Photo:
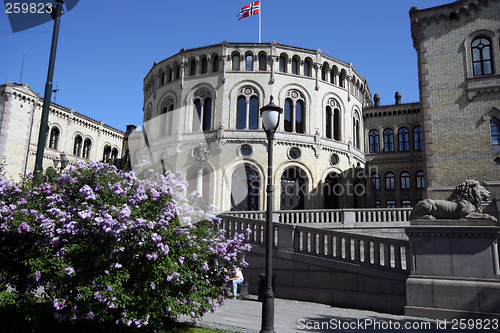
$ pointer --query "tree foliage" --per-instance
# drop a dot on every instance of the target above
(112, 248)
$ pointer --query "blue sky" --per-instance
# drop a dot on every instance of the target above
(107, 47)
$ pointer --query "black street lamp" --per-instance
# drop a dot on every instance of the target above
(270, 119)
(64, 162)
(56, 15)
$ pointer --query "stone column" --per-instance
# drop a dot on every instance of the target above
(454, 269)
(199, 180)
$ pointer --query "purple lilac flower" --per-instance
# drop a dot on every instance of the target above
(153, 286)
(117, 189)
(69, 270)
(88, 193)
(24, 228)
(37, 275)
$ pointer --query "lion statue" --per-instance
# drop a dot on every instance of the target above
(464, 203)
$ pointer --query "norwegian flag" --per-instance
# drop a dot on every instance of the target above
(249, 10)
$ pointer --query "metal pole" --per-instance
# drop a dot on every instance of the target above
(48, 91)
(268, 301)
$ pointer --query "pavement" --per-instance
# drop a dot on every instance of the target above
(245, 316)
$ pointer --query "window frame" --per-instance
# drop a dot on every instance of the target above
(292, 99)
(55, 134)
(405, 180)
(374, 141)
(420, 180)
(495, 136)
(77, 145)
(388, 140)
(403, 139)
(481, 53)
(417, 138)
(375, 177)
(249, 62)
(390, 182)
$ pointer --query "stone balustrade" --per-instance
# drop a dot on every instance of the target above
(332, 216)
(370, 250)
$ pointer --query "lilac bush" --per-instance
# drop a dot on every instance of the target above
(109, 247)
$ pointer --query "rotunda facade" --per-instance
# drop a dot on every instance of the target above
(201, 116)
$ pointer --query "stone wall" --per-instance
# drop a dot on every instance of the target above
(457, 104)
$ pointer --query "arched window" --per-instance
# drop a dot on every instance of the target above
(77, 147)
(420, 179)
(87, 145)
(161, 76)
(114, 154)
(293, 183)
(481, 56)
(215, 64)
(249, 62)
(390, 183)
(202, 111)
(390, 204)
(262, 62)
(282, 64)
(166, 117)
(324, 72)
(343, 75)
(405, 180)
(177, 71)
(417, 138)
(54, 138)
(378, 204)
(333, 75)
(307, 67)
(332, 191)
(169, 74)
(288, 115)
(294, 112)
(388, 140)
(329, 121)
(406, 204)
(376, 181)
(295, 66)
(245, 189)
(204, 65)
(299, 117)
(192, 67)
(247, 114)
(236, 62)
(106, 156)
(495, 134)
(336, 124)
(374, 141)
(332, 120)
(403, 139)
(356, 130)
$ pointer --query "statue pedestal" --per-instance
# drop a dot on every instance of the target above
(454, 269)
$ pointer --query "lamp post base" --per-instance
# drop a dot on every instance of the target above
(268, 311)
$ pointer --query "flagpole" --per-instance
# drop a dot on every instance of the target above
(260, 17)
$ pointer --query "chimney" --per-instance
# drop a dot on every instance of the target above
(398, 97)
(376, 98)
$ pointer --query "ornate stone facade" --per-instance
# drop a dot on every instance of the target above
(216, 93)
(68, 131)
